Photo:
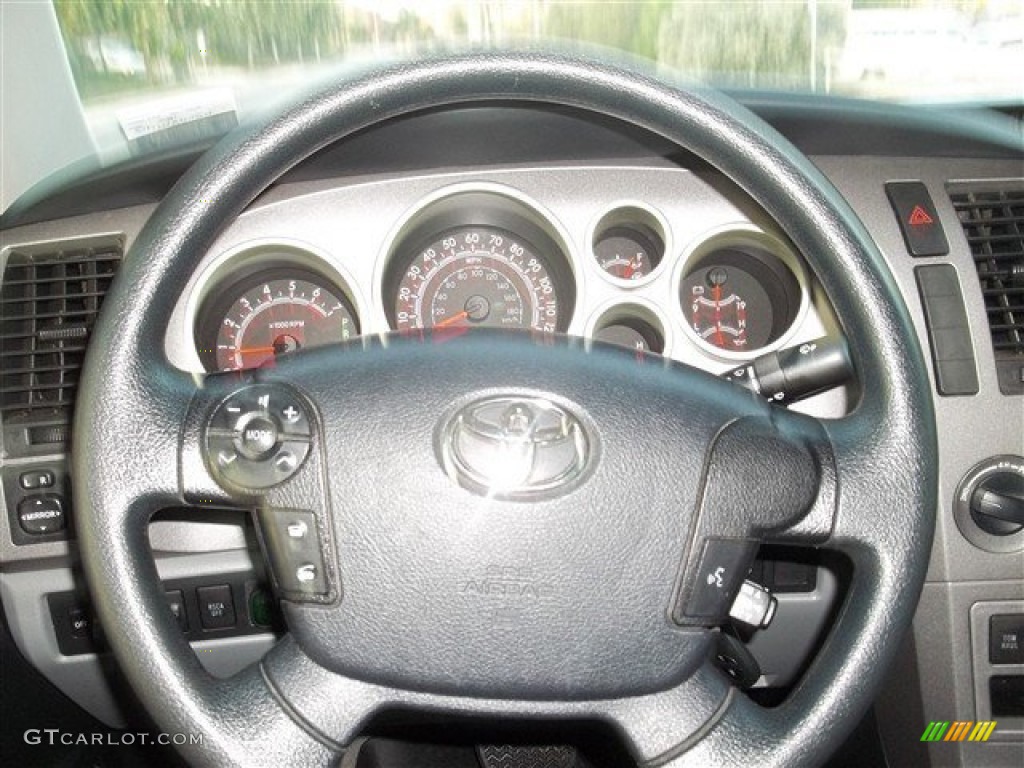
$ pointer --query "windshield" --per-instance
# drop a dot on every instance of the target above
(901, 49)
(146, 75)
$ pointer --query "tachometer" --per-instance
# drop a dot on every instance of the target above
(477, 276)
(272, 314)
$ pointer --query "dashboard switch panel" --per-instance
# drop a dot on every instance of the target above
(38, 502)
(201, 609)
(948, 331)
(918, 219)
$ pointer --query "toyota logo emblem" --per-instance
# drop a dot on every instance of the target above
(515, 447)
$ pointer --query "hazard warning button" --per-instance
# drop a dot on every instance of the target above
(918, 220)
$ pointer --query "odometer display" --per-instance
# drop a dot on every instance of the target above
(277, 315)
(477, 276)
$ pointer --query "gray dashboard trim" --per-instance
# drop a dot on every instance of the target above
(85, 679)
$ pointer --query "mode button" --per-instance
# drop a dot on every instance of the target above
(257, 438)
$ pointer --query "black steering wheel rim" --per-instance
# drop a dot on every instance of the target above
(885, 450)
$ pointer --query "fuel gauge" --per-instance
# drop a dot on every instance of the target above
(628, 251)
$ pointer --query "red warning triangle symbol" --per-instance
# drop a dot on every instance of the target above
(919, 216)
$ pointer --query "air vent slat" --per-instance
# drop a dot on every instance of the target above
(986, 292)
(68, 313)
(1014, 256)
(1013, 237)
(38, 387)
(49, 299)
(66, 350)
(59, 296)
(7, 372)
(997, 220)
(993, 223)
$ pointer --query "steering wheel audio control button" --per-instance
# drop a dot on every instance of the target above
(292, 543)
(723, 567)
(258, 437)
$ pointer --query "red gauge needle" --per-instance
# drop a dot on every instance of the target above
(255, 350)
(452, 320)
(716, 295)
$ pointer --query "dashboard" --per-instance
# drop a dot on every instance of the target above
(551, 222)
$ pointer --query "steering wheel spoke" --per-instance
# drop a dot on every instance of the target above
(653, 727)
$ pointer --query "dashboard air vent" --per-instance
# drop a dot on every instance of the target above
(993, 221)
(49, 297)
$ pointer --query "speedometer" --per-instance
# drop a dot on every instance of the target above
(478, 275)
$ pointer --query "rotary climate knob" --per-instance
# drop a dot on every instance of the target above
(997, 503)
(992, 496)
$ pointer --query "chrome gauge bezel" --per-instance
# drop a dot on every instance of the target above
(466, 206)
(738, 235)
(243, 265)
(628, 310)
(633, 214)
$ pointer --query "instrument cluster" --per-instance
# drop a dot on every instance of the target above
(479, 256)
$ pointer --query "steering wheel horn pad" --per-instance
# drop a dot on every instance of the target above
(438, 598)
(441, 589)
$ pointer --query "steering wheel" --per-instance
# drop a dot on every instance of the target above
(421, 472)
